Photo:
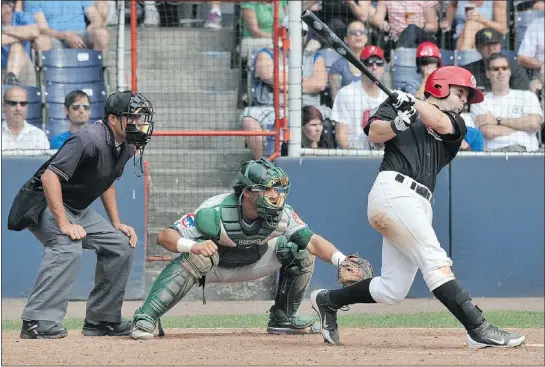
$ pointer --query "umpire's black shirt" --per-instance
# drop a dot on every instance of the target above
(88, 163)
(419, 152)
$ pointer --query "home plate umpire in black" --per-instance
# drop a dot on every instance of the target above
(54, 206)
(420, 138)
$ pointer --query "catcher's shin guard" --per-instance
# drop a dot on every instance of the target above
(293, 282)
(169, 288)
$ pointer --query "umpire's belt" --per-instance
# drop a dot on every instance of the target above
(420, 189)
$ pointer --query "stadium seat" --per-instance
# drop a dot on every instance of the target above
(523, 20)
(56, 126)
(404, 67)
(447, 57)
(464, 57)
(56, 93)
(72, 75)
(511, 55)
(71, 58)
(330, 56)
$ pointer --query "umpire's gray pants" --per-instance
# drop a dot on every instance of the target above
(53, 286)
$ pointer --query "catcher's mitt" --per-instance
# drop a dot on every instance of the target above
(354, 269)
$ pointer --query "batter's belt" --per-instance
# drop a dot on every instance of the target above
(419, 189)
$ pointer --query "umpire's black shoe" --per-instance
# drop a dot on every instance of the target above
(488, 335)
(327, 312)
(107, 328)
(41, 329)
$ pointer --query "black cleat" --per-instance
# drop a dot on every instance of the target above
(488, 335)
(41, 329)
(107, 328)
(327, 312)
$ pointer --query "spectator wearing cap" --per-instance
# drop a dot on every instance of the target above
(531, 53)
(54, 205)
(509, 119)
(19, 32)
(342, 72)
(410, 23)
(488, 42)
(428, 59)
(472, 16)
(77, 107)
(355, 102)
(17, 133)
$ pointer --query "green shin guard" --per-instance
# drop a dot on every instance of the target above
(293, 282)
(174, 282)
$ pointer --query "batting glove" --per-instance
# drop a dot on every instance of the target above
(401, 100)
(404, 119)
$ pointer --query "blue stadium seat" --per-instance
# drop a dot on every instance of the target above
(404, 67)
(72, 58)
(56, 127)
(523, 20)
(447, 57)
(511, 55)
(72, 75)
(464, 57)
(35, 122)
(56, 111)
(330, 56)
(56, 93)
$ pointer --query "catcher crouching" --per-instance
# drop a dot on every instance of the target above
(241, 236)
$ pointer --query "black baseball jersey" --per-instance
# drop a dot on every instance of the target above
(419, 152)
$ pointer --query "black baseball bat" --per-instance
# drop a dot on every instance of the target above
(329, 37)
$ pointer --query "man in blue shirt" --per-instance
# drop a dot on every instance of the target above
(77, 107)
(64, 24)
(18, 31)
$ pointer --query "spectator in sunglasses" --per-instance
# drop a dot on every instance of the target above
(17, 133)
(342, 72)
(355, 103)
(508, 118)
(77, 107)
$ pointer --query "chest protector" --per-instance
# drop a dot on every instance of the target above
(240, 244)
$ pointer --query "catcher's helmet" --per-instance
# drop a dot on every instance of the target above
(440, 80)
(428, 49)
(271, 182)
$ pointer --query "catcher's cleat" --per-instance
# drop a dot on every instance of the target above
(488, 335)
(280, 323)
(327, 312)
(34, 329)
(107, 328)
(139, 334)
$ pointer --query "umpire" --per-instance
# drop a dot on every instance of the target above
(54, 206)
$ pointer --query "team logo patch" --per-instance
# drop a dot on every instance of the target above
(433, 133)
(188, 221)
(297, 219)
(473, 81)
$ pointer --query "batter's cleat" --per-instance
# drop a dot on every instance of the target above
(280, 323)
(107, 328)
(327, 312)
(488, 335)
(34, 329)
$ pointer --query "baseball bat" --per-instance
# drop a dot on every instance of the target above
(332, 40)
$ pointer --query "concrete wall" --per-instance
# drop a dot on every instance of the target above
(22, 252)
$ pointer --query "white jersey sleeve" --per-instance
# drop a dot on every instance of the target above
(294, 222)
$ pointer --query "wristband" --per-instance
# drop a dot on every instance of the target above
(337, 258)
(184, 245)
(395, 128)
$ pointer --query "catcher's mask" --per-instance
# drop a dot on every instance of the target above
(138, 111)
(270, 183)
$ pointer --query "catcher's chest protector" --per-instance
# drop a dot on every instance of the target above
(232, 232)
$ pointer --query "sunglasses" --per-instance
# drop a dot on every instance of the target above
(376, 62)
(497, 68)
(85, 106)
(357, 32)
(15, 103)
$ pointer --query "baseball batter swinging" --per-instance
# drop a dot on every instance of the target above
(241, 236)
(420, 137)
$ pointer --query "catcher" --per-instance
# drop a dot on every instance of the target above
(242, 236)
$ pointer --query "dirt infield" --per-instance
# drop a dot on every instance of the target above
(256, 347)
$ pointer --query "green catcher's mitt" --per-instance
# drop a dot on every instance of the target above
(354, 269)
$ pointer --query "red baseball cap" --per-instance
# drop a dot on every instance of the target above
(371, 51)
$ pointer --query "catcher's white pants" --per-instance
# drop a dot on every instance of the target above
(267, 265)
(409, 242)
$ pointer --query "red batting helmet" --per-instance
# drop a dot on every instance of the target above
(428, 49)
(440, 80)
